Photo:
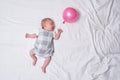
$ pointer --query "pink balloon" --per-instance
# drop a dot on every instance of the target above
(70, 15)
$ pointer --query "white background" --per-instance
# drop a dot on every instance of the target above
(89, 49)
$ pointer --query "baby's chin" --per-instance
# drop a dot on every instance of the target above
(52, 29)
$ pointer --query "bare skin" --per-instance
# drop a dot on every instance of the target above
(45, 64)
(48, 26)
(33, 57)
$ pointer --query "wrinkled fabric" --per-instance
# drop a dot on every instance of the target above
(88, 49)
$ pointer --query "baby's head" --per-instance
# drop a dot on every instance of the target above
(47, 24)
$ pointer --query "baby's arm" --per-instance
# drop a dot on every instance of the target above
(57, 35)
(31, 35)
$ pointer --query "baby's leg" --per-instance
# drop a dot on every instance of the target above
(45, 64)
(33, 57)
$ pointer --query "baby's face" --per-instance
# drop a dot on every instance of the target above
(49, 25)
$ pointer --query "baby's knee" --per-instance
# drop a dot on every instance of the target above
(31, 52)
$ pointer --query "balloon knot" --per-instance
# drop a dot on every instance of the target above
(63, 22)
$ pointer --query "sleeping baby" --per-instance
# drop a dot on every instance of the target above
(44, 46)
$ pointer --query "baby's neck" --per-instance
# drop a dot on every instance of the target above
(48, 30)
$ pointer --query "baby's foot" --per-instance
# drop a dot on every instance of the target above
(34, 62)
(43, 69)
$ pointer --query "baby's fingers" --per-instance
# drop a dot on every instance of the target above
(60, 30)
(26, 35)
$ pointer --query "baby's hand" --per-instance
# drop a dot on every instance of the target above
(60, 30)
(26, 35)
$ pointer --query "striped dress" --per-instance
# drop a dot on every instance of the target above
(44, 45)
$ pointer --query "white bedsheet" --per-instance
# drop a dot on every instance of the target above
(88, 49)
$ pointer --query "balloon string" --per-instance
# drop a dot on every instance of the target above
(60, 25)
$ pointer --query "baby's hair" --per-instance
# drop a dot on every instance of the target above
(44, 20)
